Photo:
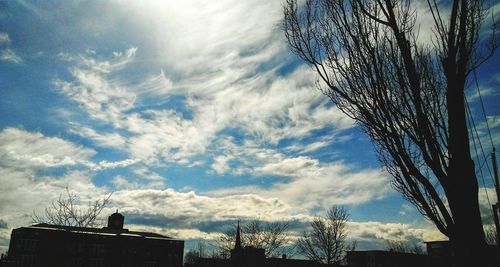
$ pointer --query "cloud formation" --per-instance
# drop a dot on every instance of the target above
(193, 113)
(22, 149)
(6, 53)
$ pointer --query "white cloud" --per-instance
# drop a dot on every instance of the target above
(6, 53)
(473, 95)
(289, 167)
(193, 36)
(192, 208)
(21, 149)
(102, 97)
(217, 64)
(227, 73)
(196, 211)
(4, 37)
(303, 182)
(104, 164)
(110, 140)
(166, 135)
(178, 214)
(150, 181)
(406, 209)
(120, 182)
(156, 86)
(373, 235)
(307, 184)
(24, 191)
(220, 165)
(332, 184)
(9, 55)
(311, 147)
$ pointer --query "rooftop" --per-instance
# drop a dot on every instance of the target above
(97, 231)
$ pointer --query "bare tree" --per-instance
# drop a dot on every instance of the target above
(67, 211)
(192, 256)
(326, 242)
(226, 241)
(404, 246)
(270, 236)
(407, 96)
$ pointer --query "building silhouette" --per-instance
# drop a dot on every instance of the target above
(56, 245)
(440, 253)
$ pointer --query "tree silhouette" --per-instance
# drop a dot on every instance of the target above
(270, 236)
(193, 255)
(404, 246)
(326, 242)
(408, 96)
(67, 211)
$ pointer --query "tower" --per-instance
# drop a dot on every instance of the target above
(115, 221)
(237, 253)
(237, 244)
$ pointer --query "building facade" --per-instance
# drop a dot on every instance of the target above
(55, 245)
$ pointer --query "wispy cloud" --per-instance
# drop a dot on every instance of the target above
(288, 107)
(102, 98)
(9, 55)
(104, 164)
(306, 182)
(109, 140)
(6, 52)
(20, 149)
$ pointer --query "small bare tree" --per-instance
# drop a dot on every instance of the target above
(270, 236)
(404, 246)
(192, 256)
(326, 242)
(67, 211)
(225, 241)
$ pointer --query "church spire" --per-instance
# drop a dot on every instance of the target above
(237, 244)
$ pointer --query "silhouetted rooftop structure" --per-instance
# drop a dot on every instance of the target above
(55, 245)
(440, 254)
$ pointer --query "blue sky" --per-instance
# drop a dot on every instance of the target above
(194, 113)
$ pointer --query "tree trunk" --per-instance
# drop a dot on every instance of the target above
(466, 234)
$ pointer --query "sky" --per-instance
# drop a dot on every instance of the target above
(193, 114)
